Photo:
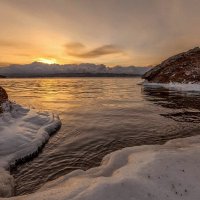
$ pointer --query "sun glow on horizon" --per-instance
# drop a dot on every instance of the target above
(49, 61)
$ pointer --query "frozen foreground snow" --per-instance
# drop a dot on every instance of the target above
(159, 172)
(22, 132)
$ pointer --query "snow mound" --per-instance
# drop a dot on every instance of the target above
(22, 133)
(169, 171)
(175, 86)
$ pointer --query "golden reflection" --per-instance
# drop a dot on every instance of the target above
(53, 90)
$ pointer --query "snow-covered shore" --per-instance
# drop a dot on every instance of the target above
(169, 171)
(188, 87)
(22, 132)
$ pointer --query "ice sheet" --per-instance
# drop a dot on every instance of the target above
(175, 86)
(169, 171)
(22, 132)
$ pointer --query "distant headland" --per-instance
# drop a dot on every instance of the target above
(37, 69)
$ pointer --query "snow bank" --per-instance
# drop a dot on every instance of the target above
(22, 132)
(175, 86)
(160, 172)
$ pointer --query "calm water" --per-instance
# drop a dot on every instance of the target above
(99, 115)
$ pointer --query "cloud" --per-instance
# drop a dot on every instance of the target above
(3, 64)
(9, 43)
(75, 45)
(77, 49)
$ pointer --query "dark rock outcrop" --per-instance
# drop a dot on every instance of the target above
(181, 68)
(3, 97)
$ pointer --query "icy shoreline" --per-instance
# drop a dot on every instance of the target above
(169, 171)
(22, 133)
(188, 87)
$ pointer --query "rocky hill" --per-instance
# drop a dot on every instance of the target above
(181, 68)
(3, 97)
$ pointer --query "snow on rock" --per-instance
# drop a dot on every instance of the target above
(22, 132)
(169, 171)
(181, 68)
(189, 87)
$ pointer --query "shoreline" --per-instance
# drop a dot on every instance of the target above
(37, 127)
(120, 170)
(158, 167)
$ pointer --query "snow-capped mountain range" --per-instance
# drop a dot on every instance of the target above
(37, 69)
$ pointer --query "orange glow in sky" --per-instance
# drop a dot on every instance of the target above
(46, 61)
(111, 32)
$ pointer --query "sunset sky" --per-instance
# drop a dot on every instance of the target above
(112, 32)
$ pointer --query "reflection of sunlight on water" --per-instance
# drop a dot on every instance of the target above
(41, 93)
(52, 92)
(67, 93)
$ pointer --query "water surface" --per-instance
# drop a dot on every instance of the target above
(99, 115)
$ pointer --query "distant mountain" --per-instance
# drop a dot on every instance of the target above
(37, 69)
